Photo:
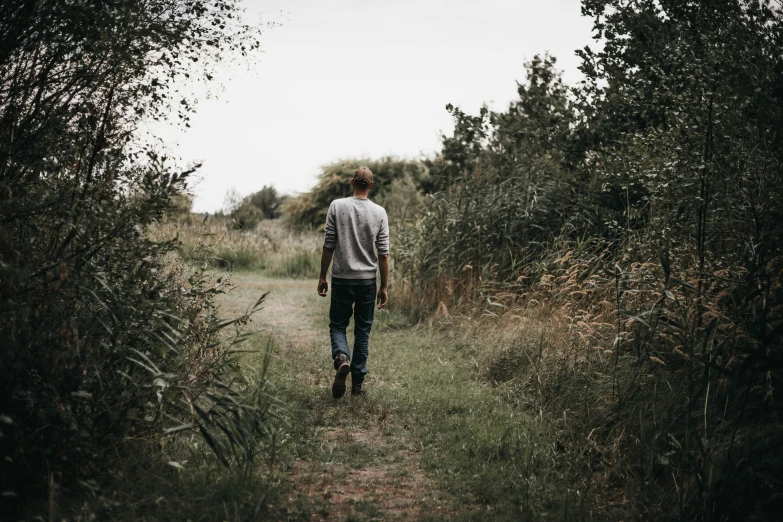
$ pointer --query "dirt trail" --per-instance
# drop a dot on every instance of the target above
(387, 489)
(352, 466)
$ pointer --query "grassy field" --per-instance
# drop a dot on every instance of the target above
(468, 417)
(457, 423)
(432, 440)
(441, 435)
(271, 248)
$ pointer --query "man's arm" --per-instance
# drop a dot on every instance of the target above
(326, 260)
(383, 265)
(330, 242)
(382, 246)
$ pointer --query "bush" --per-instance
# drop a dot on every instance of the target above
(108, 341)
(334, 182)
(247, 216)
(649, 199)
(505, 193)
(180, 205)
(267, 200)
(248, 212)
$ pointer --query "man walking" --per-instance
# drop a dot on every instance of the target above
(353, 226)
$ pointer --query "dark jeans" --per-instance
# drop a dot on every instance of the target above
(352, 297)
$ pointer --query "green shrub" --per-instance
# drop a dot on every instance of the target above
(109, 342)
(248, 212)
(334, 182)
(650, 198)
(267, 200)
(247, 216)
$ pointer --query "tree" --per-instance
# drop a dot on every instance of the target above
(504, 180)
(267, 200)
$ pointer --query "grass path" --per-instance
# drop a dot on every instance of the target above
(429, 442)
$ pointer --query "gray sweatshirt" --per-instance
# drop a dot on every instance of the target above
(353, 225)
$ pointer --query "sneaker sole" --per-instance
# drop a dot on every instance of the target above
(338, 387)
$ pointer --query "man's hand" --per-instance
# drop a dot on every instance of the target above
(323, 287)
(326, 259)
(381, 298)
(383, 265)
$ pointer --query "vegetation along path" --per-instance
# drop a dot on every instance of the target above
(429, 441)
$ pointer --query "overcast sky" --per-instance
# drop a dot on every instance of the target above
(365, 78)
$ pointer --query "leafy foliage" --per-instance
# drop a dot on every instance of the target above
(692, 119)
(107, 340)
(506, 187)
(247, 216)
(248, 212)
(392, 178)
(268, 201)
(656, 185)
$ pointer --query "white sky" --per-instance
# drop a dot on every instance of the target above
(349, 78)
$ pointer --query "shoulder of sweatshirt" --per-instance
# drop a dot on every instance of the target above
(348, 202)
(340, 203)
(377, 208)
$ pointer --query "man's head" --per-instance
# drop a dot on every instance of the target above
(362, 180)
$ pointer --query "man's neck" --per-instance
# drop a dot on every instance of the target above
(361, 195)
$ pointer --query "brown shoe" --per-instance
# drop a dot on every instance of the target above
(343, 367)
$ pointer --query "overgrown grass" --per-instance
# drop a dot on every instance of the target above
(485, 457)
(537, 365)
(270, 248)
(182, 482)
(643, 377)
(501, 463)
(181, 478)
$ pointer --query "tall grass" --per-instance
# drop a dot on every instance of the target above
(653, 383)
(183, 479)
(271, 248)
(483, 458)
(646, 280)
